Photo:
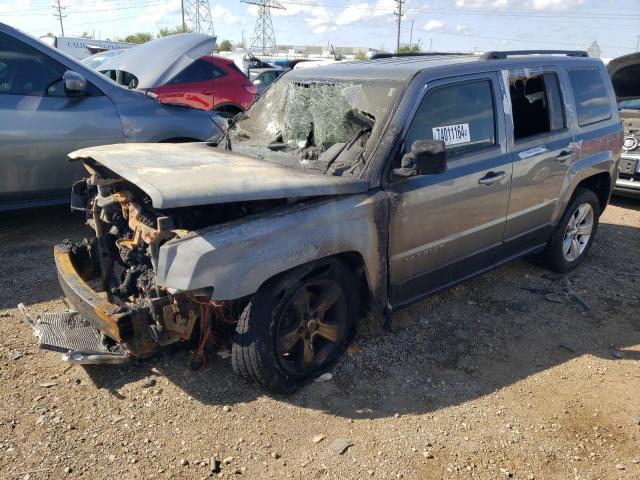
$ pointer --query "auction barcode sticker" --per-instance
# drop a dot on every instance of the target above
(452, 134)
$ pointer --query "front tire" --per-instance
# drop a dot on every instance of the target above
(574, 234)
(295, 326)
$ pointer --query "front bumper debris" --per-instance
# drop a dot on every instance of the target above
(126, 325)
(70, 334)
(628, 182)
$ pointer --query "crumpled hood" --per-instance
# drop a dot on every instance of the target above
(625, 76)
(190, 174)
(156, 62)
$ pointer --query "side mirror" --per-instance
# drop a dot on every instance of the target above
(427, 157)
(74, 83)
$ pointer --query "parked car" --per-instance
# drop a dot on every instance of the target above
(95, 61)
(50, 105)
(347, 188)
(625, 76)
(206, 82)
(262, 78)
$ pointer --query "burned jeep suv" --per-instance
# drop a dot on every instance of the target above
(347, 188)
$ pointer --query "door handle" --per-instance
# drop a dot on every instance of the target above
(491, 178)
(565, 155)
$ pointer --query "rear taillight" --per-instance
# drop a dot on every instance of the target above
(251, 89)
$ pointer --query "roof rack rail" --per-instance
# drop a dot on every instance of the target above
(416, 54)
(498, 55)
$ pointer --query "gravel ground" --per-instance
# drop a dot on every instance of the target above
(518, 373)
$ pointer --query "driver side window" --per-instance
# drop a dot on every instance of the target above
(462, 115)
(26, 71)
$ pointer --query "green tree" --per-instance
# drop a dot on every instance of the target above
(224, 46)
(166, 31)
(85, 35)
(406, 48)
(140, 37)
(361, 55)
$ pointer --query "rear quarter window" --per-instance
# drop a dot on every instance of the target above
(590, 95)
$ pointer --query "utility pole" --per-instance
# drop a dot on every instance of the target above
(57, 12)
(430, 44)
(638, 42)
(398, 13)
(411, 35)
(184, 25)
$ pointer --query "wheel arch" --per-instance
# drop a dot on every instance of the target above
(600, 184)
(229, 107)
(595, 172)
(352, 259)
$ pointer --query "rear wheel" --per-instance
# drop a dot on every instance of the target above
(295, 326)
(574, 234)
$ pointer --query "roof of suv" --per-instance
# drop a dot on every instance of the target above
(404, 67)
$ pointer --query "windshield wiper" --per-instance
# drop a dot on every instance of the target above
(347, 146)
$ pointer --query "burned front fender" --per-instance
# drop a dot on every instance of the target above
(236, 258)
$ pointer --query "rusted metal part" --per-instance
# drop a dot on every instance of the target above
(90, 304)
(176, 322)
(128, 325)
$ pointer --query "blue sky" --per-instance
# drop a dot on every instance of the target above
(452, 25)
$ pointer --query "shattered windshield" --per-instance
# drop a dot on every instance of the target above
(317, 124)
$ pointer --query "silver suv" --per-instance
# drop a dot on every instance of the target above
(345, 189)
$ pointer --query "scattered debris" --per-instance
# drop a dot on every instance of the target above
(428, 455)
(226, 408)
(15, 355)
(275, 455)
(317, 438)
(214, 465)
(184, 462)
(567, 348)
(224, 353)
(618, 354)
(149, 383)
(227, 460)
(341, 445)
(553, 297)
(48, 384)
(324, 377)
(620, 466)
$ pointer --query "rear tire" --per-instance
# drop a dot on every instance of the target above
(573, 237)
(296, 325)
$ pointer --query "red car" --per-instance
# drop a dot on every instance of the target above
(209, 83)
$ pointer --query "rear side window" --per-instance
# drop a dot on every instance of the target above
(198, 71)
(536, 103)
(592, 101)
(462, 115)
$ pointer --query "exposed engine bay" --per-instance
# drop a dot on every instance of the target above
(120, 262)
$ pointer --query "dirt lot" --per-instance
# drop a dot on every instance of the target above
(518, 373)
